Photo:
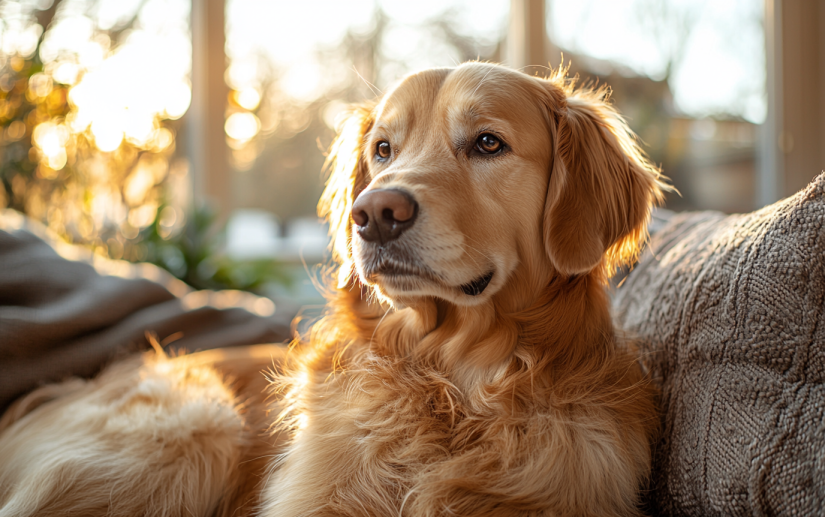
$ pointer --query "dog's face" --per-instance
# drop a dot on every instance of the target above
(459, 178)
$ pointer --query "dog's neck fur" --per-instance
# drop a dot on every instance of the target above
(562, 320)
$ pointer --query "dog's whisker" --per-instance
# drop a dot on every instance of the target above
(371, 86)
(482, 80)
(372, 338)
(490, 259)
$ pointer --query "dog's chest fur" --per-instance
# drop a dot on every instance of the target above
(363, 438)
(397, 438)
(391, 433)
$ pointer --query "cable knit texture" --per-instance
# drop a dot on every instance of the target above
(729, 311)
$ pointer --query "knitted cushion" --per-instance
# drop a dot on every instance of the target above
(729, 311)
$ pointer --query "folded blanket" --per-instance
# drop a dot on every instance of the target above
(65, 312)
(729, 311)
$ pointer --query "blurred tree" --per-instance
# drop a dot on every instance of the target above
(121, 192)
(280, 166)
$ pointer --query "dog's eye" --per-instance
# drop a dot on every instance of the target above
(488, 144)
(383, 150)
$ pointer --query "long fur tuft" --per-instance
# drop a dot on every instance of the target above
(150, 436)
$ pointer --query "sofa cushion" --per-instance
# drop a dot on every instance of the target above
(729, 315)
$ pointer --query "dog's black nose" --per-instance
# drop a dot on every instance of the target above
(383, 214)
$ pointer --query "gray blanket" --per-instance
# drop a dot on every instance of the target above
(64, 312)
(730, 315)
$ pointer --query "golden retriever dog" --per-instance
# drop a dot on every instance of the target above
(467, 364)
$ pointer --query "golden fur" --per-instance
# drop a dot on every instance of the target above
(412, 397)
(150, 436)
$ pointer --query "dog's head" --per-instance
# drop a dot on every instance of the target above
(462, 181)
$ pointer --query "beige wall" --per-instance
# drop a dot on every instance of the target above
(206, 142)
(527, 44)
(801, 130)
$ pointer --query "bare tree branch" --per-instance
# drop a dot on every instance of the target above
(46, 16)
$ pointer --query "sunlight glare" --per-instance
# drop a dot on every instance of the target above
(248, 98)
(242, 74)
(403, 41)
(414, 12)
(161, 139)
(242, 126)
(40, 84)
(91, 54)
(309, 29)
(178, 99)
(128, 91)
(303, 82)
(107, 133)
(50, 139)
(714, 70)
(137, 185)
(66, 73)
(69, 35)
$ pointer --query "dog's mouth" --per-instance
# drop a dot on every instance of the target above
(398, 271)
(477, 286)
(393, 269)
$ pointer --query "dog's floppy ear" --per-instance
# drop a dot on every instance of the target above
(601, 187)
(347, 177)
